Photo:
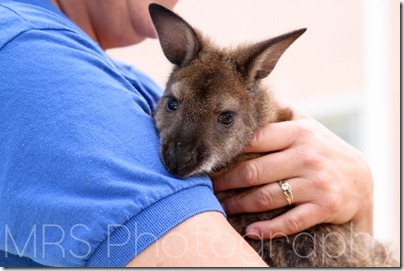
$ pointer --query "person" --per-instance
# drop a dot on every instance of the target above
(81, 183)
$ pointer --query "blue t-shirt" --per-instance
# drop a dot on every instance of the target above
(81, 182)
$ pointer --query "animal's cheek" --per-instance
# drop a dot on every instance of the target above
(158, 122)
(235, 142)
(163, 124)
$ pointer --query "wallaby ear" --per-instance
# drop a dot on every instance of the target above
(178, 39)
(259, 60)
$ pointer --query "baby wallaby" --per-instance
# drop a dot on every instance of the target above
(212, 105)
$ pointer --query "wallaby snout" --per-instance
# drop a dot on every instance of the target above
(179, 160)
(184, 156)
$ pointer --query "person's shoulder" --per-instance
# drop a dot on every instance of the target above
(149, 89)
(19, 17)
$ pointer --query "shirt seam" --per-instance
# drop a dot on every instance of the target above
(179, 219)
(31, 27)
(17, 14)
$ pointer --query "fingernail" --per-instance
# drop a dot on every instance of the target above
(253, 233)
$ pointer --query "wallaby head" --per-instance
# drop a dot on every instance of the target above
(213, 100)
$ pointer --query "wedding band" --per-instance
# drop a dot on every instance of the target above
(287, 191)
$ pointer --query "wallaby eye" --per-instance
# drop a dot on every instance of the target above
(226, 118)
(172, 104)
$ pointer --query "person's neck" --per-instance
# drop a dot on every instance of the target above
(77, 12)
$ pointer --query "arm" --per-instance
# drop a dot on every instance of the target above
(205, 240)
(330, 179)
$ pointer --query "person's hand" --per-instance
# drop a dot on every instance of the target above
(330, 180)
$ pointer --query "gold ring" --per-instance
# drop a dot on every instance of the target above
(287, 191)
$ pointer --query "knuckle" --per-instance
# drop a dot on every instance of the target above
(250, 173)
(331, 201)
(333, 204)
(264, 199)
(304, 129)
(294, 224)
(312, 159)
(321, 181)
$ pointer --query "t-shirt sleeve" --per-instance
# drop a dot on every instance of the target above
(81, 182)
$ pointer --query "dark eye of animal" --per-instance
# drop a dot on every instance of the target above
(172, 104)
(226, 118)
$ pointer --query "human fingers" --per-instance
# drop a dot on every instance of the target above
(264, 198)
(277, 136)
(273, 137)
(293, 221)
(259, 171)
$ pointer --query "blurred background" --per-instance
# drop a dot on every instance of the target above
(344, 71)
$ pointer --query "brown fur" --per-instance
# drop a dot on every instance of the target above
(209, 82)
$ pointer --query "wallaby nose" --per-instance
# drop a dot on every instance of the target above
(178, 158)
